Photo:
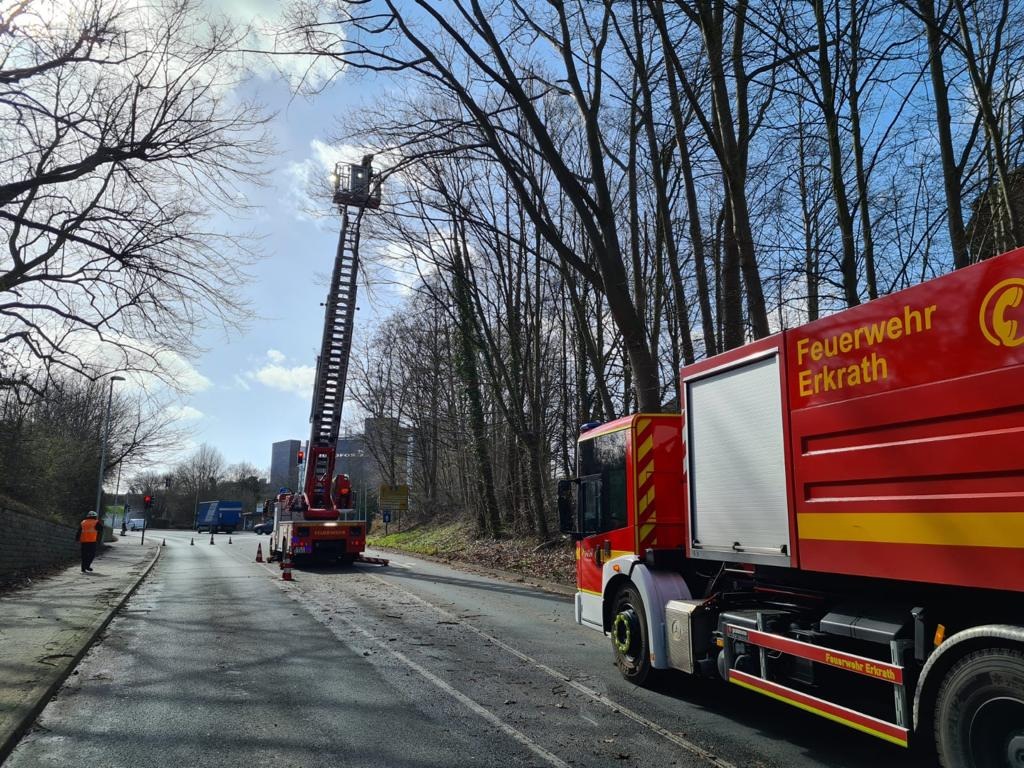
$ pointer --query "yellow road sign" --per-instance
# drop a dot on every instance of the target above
(393, 497)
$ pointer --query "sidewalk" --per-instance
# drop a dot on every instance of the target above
(46, 628)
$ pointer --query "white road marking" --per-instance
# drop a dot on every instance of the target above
(479, 709)
(636, 717)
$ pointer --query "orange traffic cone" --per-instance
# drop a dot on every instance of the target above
(164, 544)
(229, 539)
(286, 567)
(259, 553)
(211, 537)
(193, 542)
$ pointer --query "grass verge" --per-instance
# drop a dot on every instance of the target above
(454, 542)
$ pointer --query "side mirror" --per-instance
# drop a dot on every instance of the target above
(566, 510)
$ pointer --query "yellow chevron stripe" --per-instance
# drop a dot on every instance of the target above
(645, 530)
(645, 501)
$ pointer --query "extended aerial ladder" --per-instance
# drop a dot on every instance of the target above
(318, 520)
(356, 188)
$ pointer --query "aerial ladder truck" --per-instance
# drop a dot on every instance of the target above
(318, 521)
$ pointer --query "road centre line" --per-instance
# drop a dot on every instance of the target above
(471, 704)
(636, 717)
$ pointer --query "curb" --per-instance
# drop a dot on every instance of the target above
(553, 587)
(37, 700)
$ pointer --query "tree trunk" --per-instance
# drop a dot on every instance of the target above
(951, 175)
(468, 373)
(848, 264)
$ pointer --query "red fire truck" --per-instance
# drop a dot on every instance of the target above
(319, 521)
(836, 521)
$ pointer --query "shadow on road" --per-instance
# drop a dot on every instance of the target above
(479, 583)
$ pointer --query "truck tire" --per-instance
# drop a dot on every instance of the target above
(629, 636)
(979, 712)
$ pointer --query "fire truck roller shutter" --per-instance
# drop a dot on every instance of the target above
(739, 506)
(655, 588)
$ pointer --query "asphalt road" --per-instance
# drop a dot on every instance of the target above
(217, 661)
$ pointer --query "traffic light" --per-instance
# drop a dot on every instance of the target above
(147, 502)
(301, 456)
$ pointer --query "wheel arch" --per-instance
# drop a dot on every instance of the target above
(656, 588)
(952, 650)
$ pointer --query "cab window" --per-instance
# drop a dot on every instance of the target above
(602, 474)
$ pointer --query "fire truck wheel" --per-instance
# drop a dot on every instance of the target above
(979, 715)
(629, 636)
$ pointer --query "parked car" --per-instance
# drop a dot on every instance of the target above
(136, 524)
(266, 527)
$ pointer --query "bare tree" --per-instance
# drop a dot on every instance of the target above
(200, 472)
(120, 135)
(50, 447)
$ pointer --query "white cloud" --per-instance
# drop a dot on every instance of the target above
(297, 379)
(309, 189)
(274, 37)
(284, 31)
(397, 268)
(184, 413)
(186, 377)
(147, 364)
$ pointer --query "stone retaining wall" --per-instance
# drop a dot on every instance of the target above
(28, 543)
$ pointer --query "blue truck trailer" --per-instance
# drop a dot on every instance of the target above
(219, 516)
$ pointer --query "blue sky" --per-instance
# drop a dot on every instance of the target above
(254, 387)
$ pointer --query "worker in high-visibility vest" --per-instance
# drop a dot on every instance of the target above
(88, 535)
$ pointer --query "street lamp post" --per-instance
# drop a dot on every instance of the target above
(117, 490)
(103, 446)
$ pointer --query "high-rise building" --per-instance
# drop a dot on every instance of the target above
(351, 459)
(284, 471)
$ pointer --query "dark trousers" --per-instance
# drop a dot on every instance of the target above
(88, 553)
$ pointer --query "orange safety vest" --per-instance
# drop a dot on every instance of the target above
(88, 535)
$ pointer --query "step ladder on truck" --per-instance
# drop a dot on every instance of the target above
(320, 521)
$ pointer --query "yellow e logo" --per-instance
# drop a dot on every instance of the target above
(998, 329)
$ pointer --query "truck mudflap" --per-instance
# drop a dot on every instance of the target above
(656, 589)
(897, 732)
